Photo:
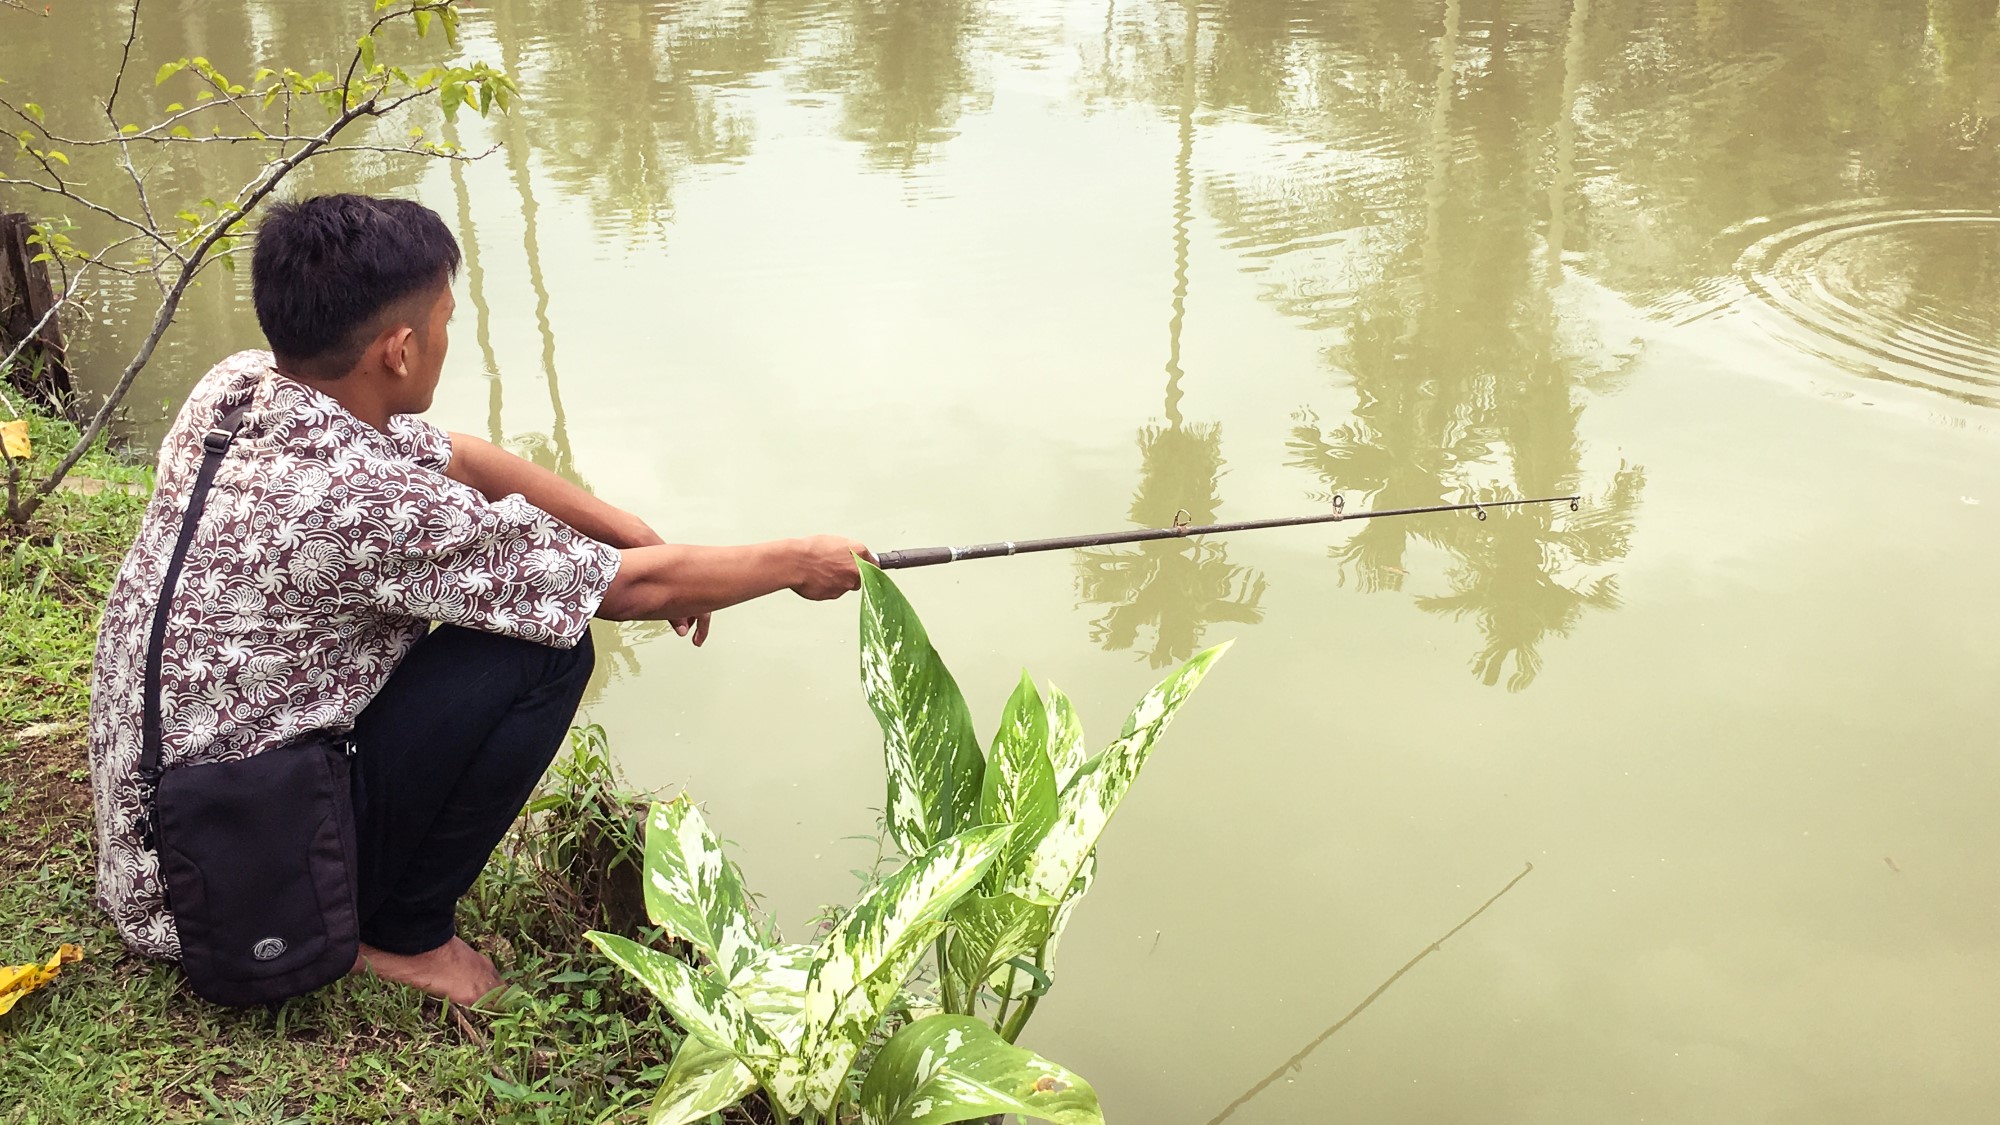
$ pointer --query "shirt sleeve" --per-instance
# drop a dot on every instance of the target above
(420, 442)
(449, 555)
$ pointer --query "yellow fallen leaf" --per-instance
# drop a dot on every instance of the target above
(17, 981)
(14, 438)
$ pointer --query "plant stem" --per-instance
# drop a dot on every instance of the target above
(1006, 998)
(1012, 1029)
(945, 990)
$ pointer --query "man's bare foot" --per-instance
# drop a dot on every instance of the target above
(453, 971)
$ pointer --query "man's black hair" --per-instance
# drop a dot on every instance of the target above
(326, 269)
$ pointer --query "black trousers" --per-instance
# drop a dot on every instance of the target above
(446, 756)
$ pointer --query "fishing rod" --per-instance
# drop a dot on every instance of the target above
(1181, 529)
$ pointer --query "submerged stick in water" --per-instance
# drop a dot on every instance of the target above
(1296, 1060)
(932, 556)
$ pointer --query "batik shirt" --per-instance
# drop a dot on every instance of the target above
(326, 551)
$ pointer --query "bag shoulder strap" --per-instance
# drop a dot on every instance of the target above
(214, 446)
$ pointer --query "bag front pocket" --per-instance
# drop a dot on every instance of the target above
(258, 861)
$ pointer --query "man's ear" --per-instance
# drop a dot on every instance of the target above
(395, 345)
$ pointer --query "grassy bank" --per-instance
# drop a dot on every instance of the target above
(119, 1039)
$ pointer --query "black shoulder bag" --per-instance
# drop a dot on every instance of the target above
(257, 854)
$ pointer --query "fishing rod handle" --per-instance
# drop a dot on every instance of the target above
(914, 556)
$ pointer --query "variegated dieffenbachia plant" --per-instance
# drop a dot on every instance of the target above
(1035, 777)
(792, 1019)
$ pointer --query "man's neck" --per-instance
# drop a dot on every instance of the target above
(355, 392)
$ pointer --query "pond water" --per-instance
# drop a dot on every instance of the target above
(946, 271)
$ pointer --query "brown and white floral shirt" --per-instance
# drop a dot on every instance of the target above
(327, 549)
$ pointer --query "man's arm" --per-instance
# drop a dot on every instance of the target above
(656, 581)
(494, 472)
(677, 581)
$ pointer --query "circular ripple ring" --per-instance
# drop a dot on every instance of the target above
(1847, 288)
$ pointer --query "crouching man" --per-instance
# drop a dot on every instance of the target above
(356, 569)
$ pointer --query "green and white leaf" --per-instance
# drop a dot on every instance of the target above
(1059, 917)
(889, 926)
(858, 1020)
(701, 1004)
(952, 1068)
(987, 932)
(700, 1081)
(1085, 805)
(929, 746)
(773, 991)
(694, 891)
(1019, 786)
(1067, 752)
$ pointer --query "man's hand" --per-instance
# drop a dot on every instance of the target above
(826, 570)
(826, 567)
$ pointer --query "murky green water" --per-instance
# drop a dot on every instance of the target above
(951, 271)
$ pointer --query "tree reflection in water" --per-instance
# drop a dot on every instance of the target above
(1507, 573)
(1175, 587)
(904, 72)
(1450, 324)
(1441, 184)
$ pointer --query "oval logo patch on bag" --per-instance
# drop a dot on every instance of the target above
(269, 949)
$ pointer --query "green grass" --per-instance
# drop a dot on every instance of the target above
(119, 1039)
(116, 1038)
(52, 580)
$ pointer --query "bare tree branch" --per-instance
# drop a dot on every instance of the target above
(428, 153)
(224, 96)
(124, 60)
(295, 138)
(251, 195)
(93, 207)
(110, 106)
(213, 235)
(153, 132)
(33, 334)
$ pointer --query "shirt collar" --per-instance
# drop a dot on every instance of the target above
(296, 412)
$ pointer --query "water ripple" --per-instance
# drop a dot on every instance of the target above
(1908, 295)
